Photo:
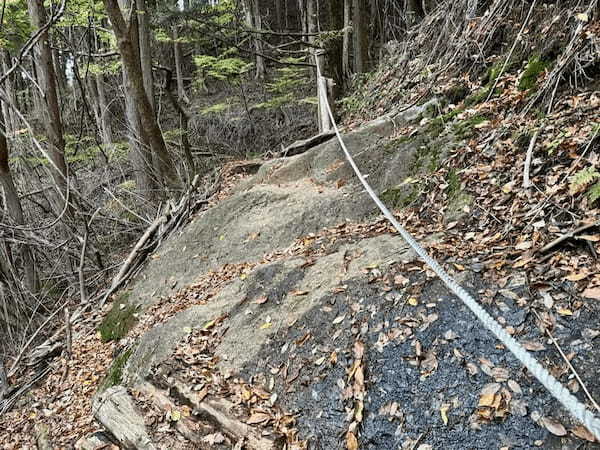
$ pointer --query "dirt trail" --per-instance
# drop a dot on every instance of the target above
(322, 299)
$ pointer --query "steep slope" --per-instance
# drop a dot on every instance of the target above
(305, 303)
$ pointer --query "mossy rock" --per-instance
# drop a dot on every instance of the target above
(456, 94)
(401, 196)
(456, 205)
(115, 373)
(464, 128)
(119, 320)
(535, 67)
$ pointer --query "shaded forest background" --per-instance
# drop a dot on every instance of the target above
(113, 111)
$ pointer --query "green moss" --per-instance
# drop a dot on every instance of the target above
(464, 128)
(119, 320)
(453, 183)
(401, 196)
(456, 94)
(115, 373)
(535, 66)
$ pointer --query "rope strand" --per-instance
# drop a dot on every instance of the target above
(562, 394)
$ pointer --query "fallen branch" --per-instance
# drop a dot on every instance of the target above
(217, 410)
(115, 410)
(304, 145)
(526, 180)
(185, 426)
(571, 235)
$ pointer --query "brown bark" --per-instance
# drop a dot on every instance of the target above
(254, 22)
(334, 68)
(49, 104)
(360, 24)
(346, 39)
(179, 66)
(13, 206)
(126, 41)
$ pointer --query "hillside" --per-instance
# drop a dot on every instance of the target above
(272, 306)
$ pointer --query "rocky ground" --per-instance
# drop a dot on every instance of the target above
(297, 314)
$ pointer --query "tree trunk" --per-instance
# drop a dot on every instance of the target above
(254, 22)
(145, 50)
(10, 124)
(334, 67)
(105, 122)
(346, 40)
(13, 206)
(179, 66)
(360, 25)
(51, 110)
(126, 41)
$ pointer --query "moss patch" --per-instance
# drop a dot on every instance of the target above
(401, 196)
(464, 128)
(535, 66)
(119, 320)
(115, 373)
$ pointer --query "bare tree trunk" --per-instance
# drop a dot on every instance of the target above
(126, 41)
(107, 135)
(179, 66)
(346, 39)
(334, 67)
(13, 205)
(9, 118)
(145, 50)
(254, 22)
(360, 24)
(51, 109)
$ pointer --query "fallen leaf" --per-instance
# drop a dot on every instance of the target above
(444, 413)
(298, 293)
(553, 426)
(261, 300)
(258, 417)
(338, 319)
(583, 433)
(592, 293)
(577, 276)
(351, 441)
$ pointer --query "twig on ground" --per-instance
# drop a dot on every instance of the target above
(562, 354)
(526, 180)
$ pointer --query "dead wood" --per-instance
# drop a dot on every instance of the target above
(218, 412)
(116, 411)
(571, 235)
(304, 145)
(185, 426)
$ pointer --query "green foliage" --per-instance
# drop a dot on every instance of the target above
(215, 109)
(16, 27)
(119, 320)
(115, 373)
(535, 66)
(582, 179)
(79, 13)
(221, 67)
(288, 86)
(594, 193)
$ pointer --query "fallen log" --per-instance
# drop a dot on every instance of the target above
(304, 145)
(218, 412)
(115, 410)
(185, 426)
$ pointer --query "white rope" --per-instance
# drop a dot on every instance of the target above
(562, 394)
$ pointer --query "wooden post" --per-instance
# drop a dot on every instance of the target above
(324, 89)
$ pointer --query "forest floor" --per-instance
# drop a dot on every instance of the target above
(294, 300)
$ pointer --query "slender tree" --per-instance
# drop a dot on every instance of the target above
(127, 38)
(49, 107)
